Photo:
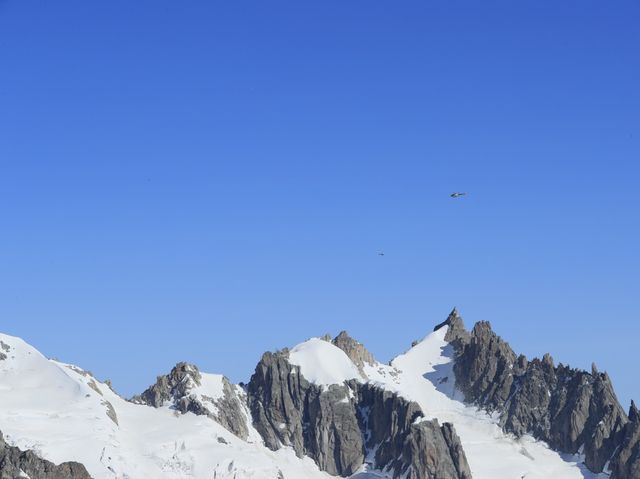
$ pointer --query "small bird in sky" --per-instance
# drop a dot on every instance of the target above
(380, 253)
(457, 194)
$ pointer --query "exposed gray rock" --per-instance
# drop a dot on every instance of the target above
(334, 439)
(455, 449)
(404, 442)
(111, 412)
(340, 425)
(625, 463)
(277, 396)
(430, 454)
(567, 408)
(386, 420)
(169, 387)
(233, 413)
(6, 348)
(287, 410)
(355, 350)
(457, 334)
(175, 389)
(484, 367)
(14, 464)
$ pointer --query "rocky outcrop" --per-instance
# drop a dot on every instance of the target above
(434, 451)
(484, 368)
(355, 350)
(170, 387)
(178, 390)
(232, 412)
(404, 441)
(340, 426)
(570, 409)
(625, 463)
(455, 450)
(5, 348)
(287, 410)
(15, 464)
(457, 334)
(277, 400)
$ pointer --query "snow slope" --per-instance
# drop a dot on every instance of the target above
(64, 414)
(61, 411)
(322, 363)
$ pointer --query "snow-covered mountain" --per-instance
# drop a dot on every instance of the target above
(457, 405)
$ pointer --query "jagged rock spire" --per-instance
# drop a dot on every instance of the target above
(453, 319)
(547, 360)
(634, 414)
(457, 334)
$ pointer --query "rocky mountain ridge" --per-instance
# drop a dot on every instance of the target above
(329, 402)
(574, 411)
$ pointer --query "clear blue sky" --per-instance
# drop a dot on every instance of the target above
(207, 180)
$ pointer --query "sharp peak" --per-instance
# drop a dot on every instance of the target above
(344, 335)
(454, 320)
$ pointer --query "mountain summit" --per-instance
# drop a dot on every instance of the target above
(459, 404)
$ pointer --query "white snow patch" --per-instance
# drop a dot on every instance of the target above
(322, 363)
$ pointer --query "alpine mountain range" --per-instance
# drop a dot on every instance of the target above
(460, 404)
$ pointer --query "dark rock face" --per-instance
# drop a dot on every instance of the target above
(625, 463)
(567, 408)
(419, 449)
(175, 389)
(333, 431)
(385, 415)
(484, 368)
(14, 463)
(277, 399)
(455, 449)
(434, 452)
(340, 425)
(287, 410)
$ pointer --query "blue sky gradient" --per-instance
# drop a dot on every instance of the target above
(205, 181)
